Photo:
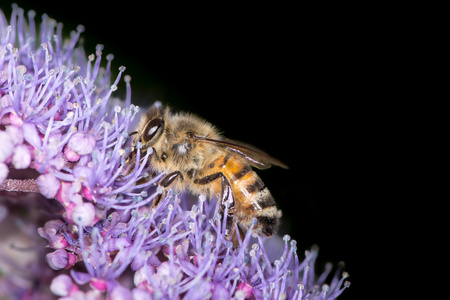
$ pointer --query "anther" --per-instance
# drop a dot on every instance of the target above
(80, 28)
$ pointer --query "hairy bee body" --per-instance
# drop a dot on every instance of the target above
(195, 157)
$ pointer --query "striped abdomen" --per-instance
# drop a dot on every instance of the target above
(252, 198)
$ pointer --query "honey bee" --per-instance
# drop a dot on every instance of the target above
(195, 157)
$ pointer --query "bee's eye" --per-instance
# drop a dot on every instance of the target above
(153, 130)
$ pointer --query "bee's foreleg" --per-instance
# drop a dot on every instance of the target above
(227, 200)
(166, 182)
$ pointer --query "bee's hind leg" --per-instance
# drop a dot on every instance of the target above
(164, 183)
(229, 204)
(227, 200)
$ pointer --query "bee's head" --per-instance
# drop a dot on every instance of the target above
(152, 132)
(152, 126)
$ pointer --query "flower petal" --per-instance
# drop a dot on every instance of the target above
(31, 135)
(80, 277)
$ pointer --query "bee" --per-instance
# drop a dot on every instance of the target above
(195, 157)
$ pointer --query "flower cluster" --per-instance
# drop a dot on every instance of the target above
(86, 227)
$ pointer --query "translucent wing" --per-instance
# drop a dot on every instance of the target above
(254, 156)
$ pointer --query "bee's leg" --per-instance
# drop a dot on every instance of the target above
(164, 183)
(227, 199)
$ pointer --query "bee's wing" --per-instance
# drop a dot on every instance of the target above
(254, 156)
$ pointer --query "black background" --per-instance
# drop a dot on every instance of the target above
(295, 81)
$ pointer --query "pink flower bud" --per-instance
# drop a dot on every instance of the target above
(72, 260)
(57, 259)
(6, 146)
(52, 233)
(82, 143)
(70, 155)
(83, 214)
(98, 284)
(48, 185)
(3, 172)
(245, 289)
(62, 285)
(22, 157)
(16, 134)
(15, 120)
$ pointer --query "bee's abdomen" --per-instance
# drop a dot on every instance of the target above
(253, 199)
(265, 211)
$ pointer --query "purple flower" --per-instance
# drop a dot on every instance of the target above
(64, 147)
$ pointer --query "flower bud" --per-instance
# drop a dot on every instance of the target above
(52, 233)
(71, 155)
(62, 285)
(48, 185)
(6, 146)
(83, 214)
(82, 143)
(57, 259)
(22, 157)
